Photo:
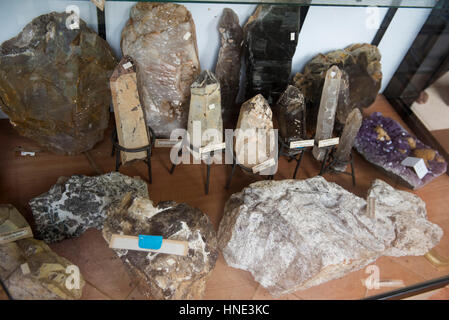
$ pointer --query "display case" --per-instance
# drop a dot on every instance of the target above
(224, 150)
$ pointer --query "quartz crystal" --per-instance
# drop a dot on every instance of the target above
(161, 39)
(292, 115)
(328, 106)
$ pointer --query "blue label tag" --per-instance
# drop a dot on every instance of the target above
(150, 242)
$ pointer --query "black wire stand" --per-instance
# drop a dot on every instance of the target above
(329, 161)
(292, 154)
(116, 146)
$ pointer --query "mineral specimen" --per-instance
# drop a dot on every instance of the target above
(328, 106)
(385, 143)
(361, 79)
(78, 203)
(343, 152)
(205, 111)
(270, 39)
(291, 111)
(129, 116)
(165, 276)
(161, 39)
(54, 83)
(227, 69)
(254, 136)
(295, 234)
(32, 271)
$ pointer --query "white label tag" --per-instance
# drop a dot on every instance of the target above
(371, 207)
(15, 235)
(417, 164)
(165, 143)
(292, 36)
(27, 153)
(264, 165)
(213, 147)
(302, 144)
(127, 65)
(25, 268)
(212, 106)
(187, 36)
(328, 142)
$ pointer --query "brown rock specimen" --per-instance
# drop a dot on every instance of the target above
(161, 39)
(54, 84)
(165, 276)
(291, 110)
(32, 271)
(227, 69)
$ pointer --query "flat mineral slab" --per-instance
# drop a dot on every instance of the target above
(385, 143)
(295, 234)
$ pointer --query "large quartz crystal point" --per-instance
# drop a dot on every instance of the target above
(385, 143)
(227, 69)
(54, 83)
(161, 39)
(165, 276)
(205, 111)
(362, 74)
(291, 111)
(254, 139)
(78, 203)
(328, 106)
(295, 234)
(270, 39)
(30, 270)
(343, 152)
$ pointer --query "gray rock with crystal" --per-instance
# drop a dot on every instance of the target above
(291, 110)
(161, 39)
(165, 276)
(295, 234)
(227, 69)
(78, 203)
(205, 111)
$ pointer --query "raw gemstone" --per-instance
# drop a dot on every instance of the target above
(292, 115)
(295, 234)
(30, 270)
(161, 39)
(254, 136)
(270, 39)
(328, 106)
(227, 69)
(361, 79)
(165, 276)
(78, 203)
(129, 117)
(385, 143)
(343, 153)
(205, 111)
(54, 84)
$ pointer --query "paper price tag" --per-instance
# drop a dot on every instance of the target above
(127, 65)
(417, 164)
(16, 235)
(187, 36)
(302, 144)
(328, 142)
(27, 153)
(25, 268)
(213, 147)
(292, 36)
(264, 165)
(165, 143)
(212, 106)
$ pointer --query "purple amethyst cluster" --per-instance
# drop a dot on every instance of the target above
(385, 143)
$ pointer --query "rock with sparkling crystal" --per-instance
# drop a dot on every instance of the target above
(165, 276)
(227, 69)
(295, 234)
(161, 39)
(54, 83)
(270, 39)
(205, 111)
(254, 137)
(328, 107)
(291, 111)
(362, 77)
(385, 143)
(343, 153)
(78, 203)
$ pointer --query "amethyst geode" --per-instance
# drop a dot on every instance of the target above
(385, 143)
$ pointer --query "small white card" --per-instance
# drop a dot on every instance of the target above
(417, 164)
(328, 142)
(27, 153)
(127, 65)
(212, 106)
(213, 147)
(165, 143)
(187, 36)
(264, 165)
(302, 144)
(25, 268)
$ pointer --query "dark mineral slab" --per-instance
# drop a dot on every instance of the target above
(54, 83)
(385, 143)
(291, 110)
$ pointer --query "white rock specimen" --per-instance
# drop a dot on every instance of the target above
(161, 39)
(292, 235)
(165, 276)
(78, 203)
(254, 136)
(30, 270)
(205, 111)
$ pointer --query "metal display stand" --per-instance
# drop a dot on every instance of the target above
(329, 161)
(292, 154)
(116, 146)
